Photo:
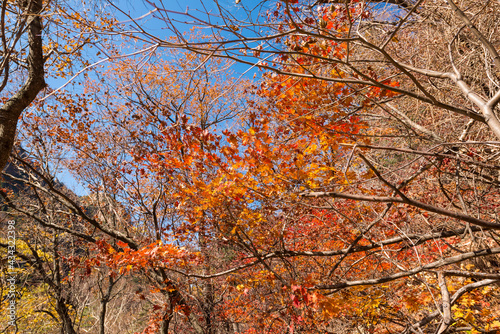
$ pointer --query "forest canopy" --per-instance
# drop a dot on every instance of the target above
(290, 166)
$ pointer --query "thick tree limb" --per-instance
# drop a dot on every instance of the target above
(12, 109)
(416, 239)
(406, 200)
(402, 3)
(429, 266)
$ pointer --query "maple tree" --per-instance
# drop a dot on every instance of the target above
(444, 165)
(352, 187)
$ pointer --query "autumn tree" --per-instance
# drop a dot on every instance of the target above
(43, 44)
(26, 21)
(119, 136)
(352, 187)
(56, 289)
(416, 83)
(45, 298)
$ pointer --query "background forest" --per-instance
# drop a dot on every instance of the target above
(250, 166)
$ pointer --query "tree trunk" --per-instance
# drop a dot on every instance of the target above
(63, 312)
(12, 109)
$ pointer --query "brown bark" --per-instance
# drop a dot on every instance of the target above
(12, 109)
